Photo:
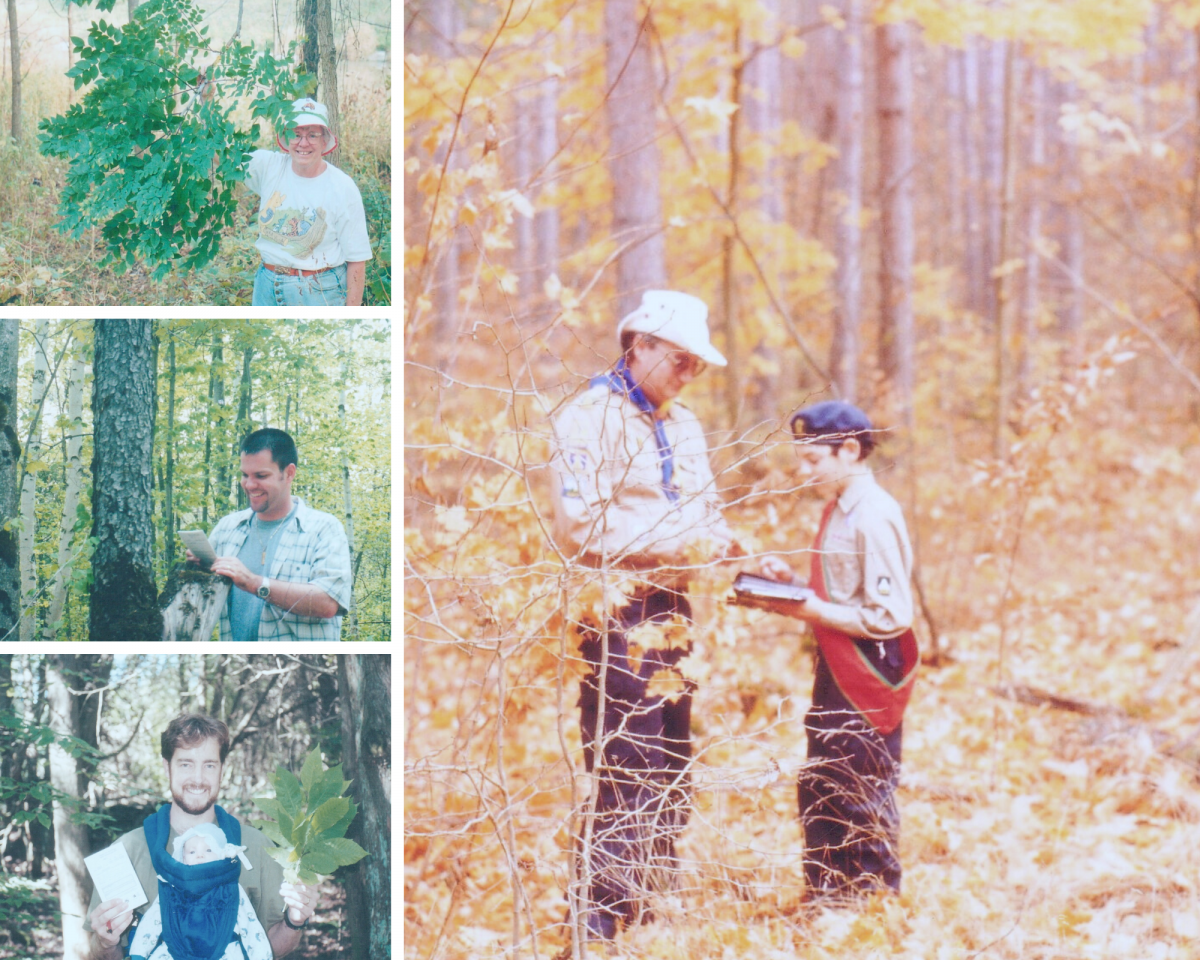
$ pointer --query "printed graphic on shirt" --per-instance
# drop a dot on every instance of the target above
(884, 587)
(298, 230)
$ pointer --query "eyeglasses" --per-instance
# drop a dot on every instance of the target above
(680, 360)
(309, 137)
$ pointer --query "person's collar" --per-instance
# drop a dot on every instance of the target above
(855, 490)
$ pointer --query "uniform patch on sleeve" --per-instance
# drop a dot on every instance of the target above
(884, 587)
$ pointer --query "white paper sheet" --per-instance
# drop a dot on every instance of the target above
(114, 876)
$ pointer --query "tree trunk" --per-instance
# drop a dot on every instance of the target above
(328, 88)
(976, 236)
(733, 374)
(14, 46)
(72, 454)
(310, 54)
(133, 5)
(73, 716)
(10, 457)
(1003, 349)
(761, 103)
(1031, 298)
(169, 485)
(33, 451)
(124, 598)
(633, 154)
(993, 87)
(191, 603)
(364, 682)
(445, 23)
(546, 217)
(843, 359)
(896, 164)
(245, 402)
(348, 503)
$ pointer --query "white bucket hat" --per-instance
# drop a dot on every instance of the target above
(678, 318)
(308, 112)
(217, 842)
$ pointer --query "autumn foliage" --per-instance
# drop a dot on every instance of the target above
(1049, 795)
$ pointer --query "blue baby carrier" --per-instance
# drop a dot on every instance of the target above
(198, 903)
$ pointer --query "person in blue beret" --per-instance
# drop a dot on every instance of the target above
(866, 661)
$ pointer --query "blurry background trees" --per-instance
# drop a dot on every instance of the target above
(81, 733)
(979, 220)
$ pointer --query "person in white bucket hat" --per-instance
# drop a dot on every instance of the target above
(312, 229)
(635, 491)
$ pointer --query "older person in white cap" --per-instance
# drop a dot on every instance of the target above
(636, 491)
(312, 230)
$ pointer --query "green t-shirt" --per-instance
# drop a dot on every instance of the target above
(261, 883)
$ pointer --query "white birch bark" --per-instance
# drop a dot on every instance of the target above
(1031, 293)
(74, 450)
(41, 374)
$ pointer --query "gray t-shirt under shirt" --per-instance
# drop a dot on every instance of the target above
(246, 608)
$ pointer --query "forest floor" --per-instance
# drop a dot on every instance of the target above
(1049, 800)
(325, 939)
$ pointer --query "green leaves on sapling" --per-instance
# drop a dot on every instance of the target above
(153, 150)
(308, 819)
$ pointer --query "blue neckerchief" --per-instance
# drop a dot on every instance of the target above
(620, 380)
(198, 903)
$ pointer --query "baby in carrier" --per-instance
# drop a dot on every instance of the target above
(190, 899)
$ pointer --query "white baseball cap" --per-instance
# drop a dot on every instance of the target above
(309, 112)
(678, 318)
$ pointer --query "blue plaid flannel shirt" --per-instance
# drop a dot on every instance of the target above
(312, 549)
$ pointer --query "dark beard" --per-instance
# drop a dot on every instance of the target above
(178, 800)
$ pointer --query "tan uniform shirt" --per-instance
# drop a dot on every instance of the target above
(868, 564)
(261, 883)
(610, 501)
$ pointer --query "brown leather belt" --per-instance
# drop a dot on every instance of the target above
(294, 271)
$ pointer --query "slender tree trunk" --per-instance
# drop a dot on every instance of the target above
(1002, 283)
(733, 374)
(310, 52)
(10, 458)
(995, 58)
(761, 103)
(843, 359)
(124, 598)
(169, 485)
(245, 402)
(976, 237)
(633, 154)
(1031, 297)
(73, 716)
(133, 5)
(33, 451)
(72, 454)
(348, 502)
(14, 45)
(445, 23)
(546, 217)
(329, 80)
(364, 682)
(896, 164)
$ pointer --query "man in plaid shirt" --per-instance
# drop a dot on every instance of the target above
(290, 564)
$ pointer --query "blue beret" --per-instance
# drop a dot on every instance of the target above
(831, 418)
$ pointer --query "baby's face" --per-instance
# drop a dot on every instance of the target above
(197, 850)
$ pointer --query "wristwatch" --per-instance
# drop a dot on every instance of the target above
(288, 921)
(264, 589)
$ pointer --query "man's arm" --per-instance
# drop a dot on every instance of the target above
(356, 274)
(301, 903)
(302, 598)
(108, 922)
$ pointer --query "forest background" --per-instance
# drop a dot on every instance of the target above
(80, 765)
(41, 265)
(981, 222)
(326, 382)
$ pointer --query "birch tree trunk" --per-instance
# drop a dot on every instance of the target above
(896, 163)
(546, 217)
(364, 685)
(348, 503)
(1002, 281)
(33, 451)
(169, 484)
(733, 373)
(993, 87)
(245, 403)
(976, 235)
(1073, 249)
(445, 24)
(633, 154)
(73, 449)
(10, 458)
(73, 716)
(843, 359)
(124, 599)
(761, 102)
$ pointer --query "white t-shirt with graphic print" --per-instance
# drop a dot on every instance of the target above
(306, 222)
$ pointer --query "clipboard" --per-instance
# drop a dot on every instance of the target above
(752, 591)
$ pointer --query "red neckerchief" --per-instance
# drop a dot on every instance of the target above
(880, 702)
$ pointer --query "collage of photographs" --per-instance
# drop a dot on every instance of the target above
(196, 405)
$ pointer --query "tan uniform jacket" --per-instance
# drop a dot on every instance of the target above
(610, 501)
(868, 564)
(261, 883)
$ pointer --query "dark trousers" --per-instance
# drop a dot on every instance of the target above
(644, 793)
(847, 790)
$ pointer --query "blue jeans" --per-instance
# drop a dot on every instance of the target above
(327, 288)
